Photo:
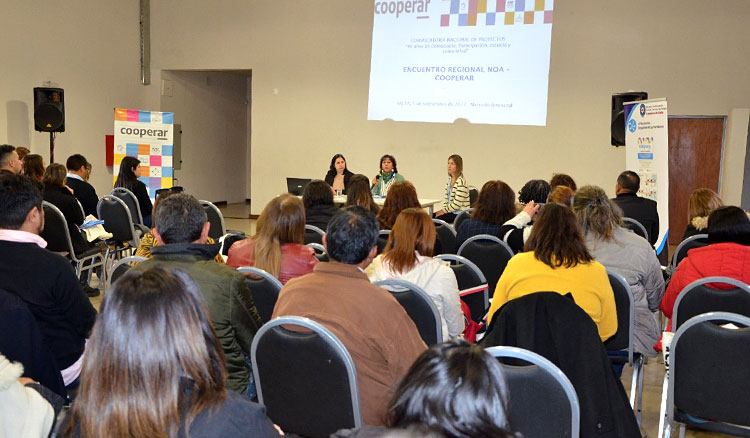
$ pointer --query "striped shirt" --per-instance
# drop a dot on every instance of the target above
(456, 197)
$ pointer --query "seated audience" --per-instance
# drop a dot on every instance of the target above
(495, 205)
(516, 231)
(408, 256)
(402, 195)
(45, 281)
(78, 174)
(556, 260)
(386, 177)
(635, 207)
(727, 255)
(358, 193)
(22, 152)
(561, 179)
(132, 387)
(61, 196)
(624, 252)
(536, 190)
(381, 338)
(701, 203)
(130, 171)
(562, 195)
(33, 166)
(338, 175)
(278, 245)
(181, 230)
(456, 191)
(9, 161)
(319, 207)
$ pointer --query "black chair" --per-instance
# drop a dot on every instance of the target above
(471, 284)
(538, 387)
(305, 378)
(57, 235)
(216, 219)
(446, 235)
(419, 307)
(473, 195)
(696, 241)
(697, 298)
(709, 378)
(636, 227)
(313, 234)
(623, 339)
(383, 239)
(131, 201)
(265, 290)
(320, 252)
(466, 214)
(117, 221)
(490, 254)
(121, 267)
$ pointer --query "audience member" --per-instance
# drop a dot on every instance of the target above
(338, 175)
(624, 252)
(562, 195)
(535, 190)
(635, 207)
(76, 179)
(278, 245)
(375, 329)
(45, 281)
(408, 256)
(402, 195)
(22, 152)
(33, 166)
(516, 231)
(358, 193)
(9, 161)
(701, 203)
(556, 260)
(456, 191)
(181, 230)
(561, 179)
(132, 387)
(386, 177)
(130, 171)
(319, 206)
(495, 205)
(61, 196)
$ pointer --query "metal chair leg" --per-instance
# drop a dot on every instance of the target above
(663, 410)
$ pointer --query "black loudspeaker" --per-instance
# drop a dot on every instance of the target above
(49, 109)
(618, 115)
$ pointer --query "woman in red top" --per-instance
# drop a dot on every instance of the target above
(278, 245)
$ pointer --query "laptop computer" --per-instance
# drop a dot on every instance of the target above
(295, 186)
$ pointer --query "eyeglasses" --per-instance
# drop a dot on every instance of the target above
(175, 189)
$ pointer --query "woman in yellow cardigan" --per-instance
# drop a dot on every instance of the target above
(556, 260)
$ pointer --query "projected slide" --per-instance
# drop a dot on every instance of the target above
(486, 61)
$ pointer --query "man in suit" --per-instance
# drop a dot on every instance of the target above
(76, 180)
(633, 206)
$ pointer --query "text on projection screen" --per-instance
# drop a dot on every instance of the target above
(486, 61)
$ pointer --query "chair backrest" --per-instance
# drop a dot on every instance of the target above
(313, 234)
(490, 254)
(265, 290)
(56, 231)
(216, 219)
(305, 379)
(121, 267)
(383, 239)
(419, 307)
(117, 220)
(691, 242)
(697, 298)
(473, 195)
(471, 283)
(80, 207)
(636, 227)
(466, 214)
(538, 387)
(708, 367)
(320, 252)
(447, 236)
(623, 338)
(131, 201)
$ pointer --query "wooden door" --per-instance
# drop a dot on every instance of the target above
(695, 149)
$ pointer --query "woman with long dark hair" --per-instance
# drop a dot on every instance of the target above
(319, 206)
(556, 260)
(386, 177)
(359, 193)
(338, 175)
(130, 171)
(154, 368)
(402, 195)
(495, 205)
(33, 166)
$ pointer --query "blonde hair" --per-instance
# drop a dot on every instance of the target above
(281, 221)
(596, 213)
(702, 202)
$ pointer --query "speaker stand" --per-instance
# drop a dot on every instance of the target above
(51, 147)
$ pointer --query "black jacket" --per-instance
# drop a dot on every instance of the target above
(61, 198)
(85, 193)
(553, 326)
(347, 176)
(47, 283)
(641, 209)
(320, 215)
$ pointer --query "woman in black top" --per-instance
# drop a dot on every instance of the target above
(59, 195)
(319, 206)
(130, 171)
(338, 175)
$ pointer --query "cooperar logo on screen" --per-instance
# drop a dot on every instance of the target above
(402, 7)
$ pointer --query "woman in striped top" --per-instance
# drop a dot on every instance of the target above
(456, 191)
